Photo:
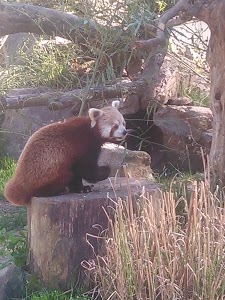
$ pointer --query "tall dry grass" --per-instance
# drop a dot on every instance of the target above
(155, 253)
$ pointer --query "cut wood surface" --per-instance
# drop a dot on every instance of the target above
(66, 230)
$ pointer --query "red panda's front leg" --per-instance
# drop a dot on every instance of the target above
(76, 184)
(98, 173)
(102, 172)
(89, 168)
(78, 187)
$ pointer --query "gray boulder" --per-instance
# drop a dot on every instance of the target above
(137, 163)
(19, 124)
(186, 130)
(12, 282)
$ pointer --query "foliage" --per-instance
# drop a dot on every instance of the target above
(156, 254)
(7, 168)
(13, 238)
(58, 66)
(16, 220)
(13, 233)
(47, 65)
(80, 7)
(98, 60)
(36, 290)
(177, 181)
(198, 96)
(15, 244)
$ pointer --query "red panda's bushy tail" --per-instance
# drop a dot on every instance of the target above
(15, 194)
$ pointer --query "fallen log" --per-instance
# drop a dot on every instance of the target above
(56, 100)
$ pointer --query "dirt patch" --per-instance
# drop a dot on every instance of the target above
(6, 207)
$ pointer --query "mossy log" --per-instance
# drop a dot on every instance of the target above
(66, 230)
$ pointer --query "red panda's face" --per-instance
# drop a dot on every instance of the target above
(112, 125)
(110, 122)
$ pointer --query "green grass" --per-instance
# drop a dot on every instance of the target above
(16, 220)
(176, 181)
(198, 96)
(7, 168)
(35, 290)
(48, 65)
(14, 247)
(13, 232)
(13, 238)
(55, 295)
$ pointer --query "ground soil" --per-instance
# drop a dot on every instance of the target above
(6, 207)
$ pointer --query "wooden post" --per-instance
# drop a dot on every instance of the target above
(61, 229)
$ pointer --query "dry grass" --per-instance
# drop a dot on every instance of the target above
(157, 254)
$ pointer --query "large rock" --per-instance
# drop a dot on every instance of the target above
(137, 163)
(186, 129)
(19, 124)
(12, 282)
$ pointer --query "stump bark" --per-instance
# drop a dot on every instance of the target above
(66, 230)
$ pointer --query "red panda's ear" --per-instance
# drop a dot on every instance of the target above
(116, 104)
(94, 114)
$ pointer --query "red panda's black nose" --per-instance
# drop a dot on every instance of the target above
(125, 132)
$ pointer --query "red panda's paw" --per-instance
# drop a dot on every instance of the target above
(86, 189)
(79, 188)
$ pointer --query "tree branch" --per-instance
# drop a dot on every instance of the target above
(177, 21)
(19, 17)
(182, 11)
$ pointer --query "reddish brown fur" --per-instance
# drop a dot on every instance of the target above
(56, 156)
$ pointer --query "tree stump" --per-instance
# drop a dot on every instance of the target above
(62, 230)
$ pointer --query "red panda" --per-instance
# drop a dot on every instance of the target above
(60, 155)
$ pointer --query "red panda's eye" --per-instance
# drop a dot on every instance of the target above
(116, 126)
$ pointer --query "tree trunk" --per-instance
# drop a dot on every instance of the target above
(217, 93)
(68, 230)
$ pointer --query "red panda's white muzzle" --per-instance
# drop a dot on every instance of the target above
(119, 134)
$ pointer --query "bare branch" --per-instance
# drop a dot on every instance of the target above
(177, 21)
(17, 17)
(181, 6)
